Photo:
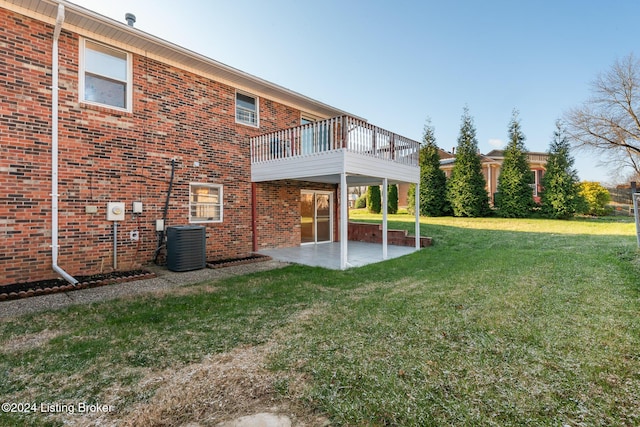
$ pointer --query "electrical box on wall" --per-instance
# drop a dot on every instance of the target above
(137, 207)
(115, 211)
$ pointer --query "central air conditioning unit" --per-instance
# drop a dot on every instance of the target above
(186, 248)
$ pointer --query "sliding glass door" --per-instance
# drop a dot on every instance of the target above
(316, 220)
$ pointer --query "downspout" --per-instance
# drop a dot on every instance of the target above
(54, 151)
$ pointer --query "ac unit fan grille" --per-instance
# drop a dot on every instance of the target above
(186, 248)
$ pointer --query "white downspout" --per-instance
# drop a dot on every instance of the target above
(54, 151)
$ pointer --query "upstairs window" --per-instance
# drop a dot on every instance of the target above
(246, 109)
(205, 203)
(105, 78)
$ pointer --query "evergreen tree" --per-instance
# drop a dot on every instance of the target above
(514, 198)
(392, 199)
(433, 181)
(466, 188)
(411, 199)
(374, 202)
(561, 188)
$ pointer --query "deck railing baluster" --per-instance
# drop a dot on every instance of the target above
(336, 133)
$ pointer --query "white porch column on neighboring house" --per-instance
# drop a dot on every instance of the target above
(417, 197)
(344, 221)
(385, 184)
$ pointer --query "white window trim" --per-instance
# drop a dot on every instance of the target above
(315, 214)
(206, 184)
(235, 100)
(81, 72)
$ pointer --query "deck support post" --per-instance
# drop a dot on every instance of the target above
(417, 202)
(385, 195)
(344, 221)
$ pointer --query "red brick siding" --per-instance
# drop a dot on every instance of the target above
(372, 233)
(107, 155)
(278, 212)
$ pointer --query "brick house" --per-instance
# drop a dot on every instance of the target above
(97, 112)
(491, 164)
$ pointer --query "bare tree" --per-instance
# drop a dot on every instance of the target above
(608, 123)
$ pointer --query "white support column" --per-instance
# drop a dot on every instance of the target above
(417, 196)
(344, 221)
(385, 184)
(490, 182)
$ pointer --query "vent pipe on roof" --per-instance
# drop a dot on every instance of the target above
(131, 19)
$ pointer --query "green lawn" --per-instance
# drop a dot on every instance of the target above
(500, 322)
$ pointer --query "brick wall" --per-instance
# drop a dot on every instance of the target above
(278, 212)
(372, 233)
(107, 155)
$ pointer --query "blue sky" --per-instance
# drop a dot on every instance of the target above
(398, 62)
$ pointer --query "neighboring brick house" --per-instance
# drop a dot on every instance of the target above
(131, 116)
(537, 164)
(491, 164)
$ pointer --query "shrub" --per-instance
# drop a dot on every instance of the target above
(411, 197)
(392, 199)
(596, 198)
(374, 203)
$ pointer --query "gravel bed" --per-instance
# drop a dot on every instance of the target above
(164, 280)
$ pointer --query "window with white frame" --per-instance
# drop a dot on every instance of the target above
(205, 202)
(246, 109)
(105, 77)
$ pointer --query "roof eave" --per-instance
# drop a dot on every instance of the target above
(91, 24)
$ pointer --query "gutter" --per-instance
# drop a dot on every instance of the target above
(54, 151)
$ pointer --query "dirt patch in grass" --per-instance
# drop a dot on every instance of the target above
(29, 342)
(181, 291)
(220, 388)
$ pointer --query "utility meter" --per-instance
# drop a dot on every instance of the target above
(115, 211)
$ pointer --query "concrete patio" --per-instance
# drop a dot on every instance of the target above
(327, 255)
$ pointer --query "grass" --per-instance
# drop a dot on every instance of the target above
(501, 322)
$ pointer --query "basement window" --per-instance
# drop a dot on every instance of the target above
(205, 203)
(105, 77)
(246, 109)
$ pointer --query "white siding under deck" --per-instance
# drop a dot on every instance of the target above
(327, 167)
(323, 150)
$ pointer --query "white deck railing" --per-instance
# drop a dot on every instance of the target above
(353, 134)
